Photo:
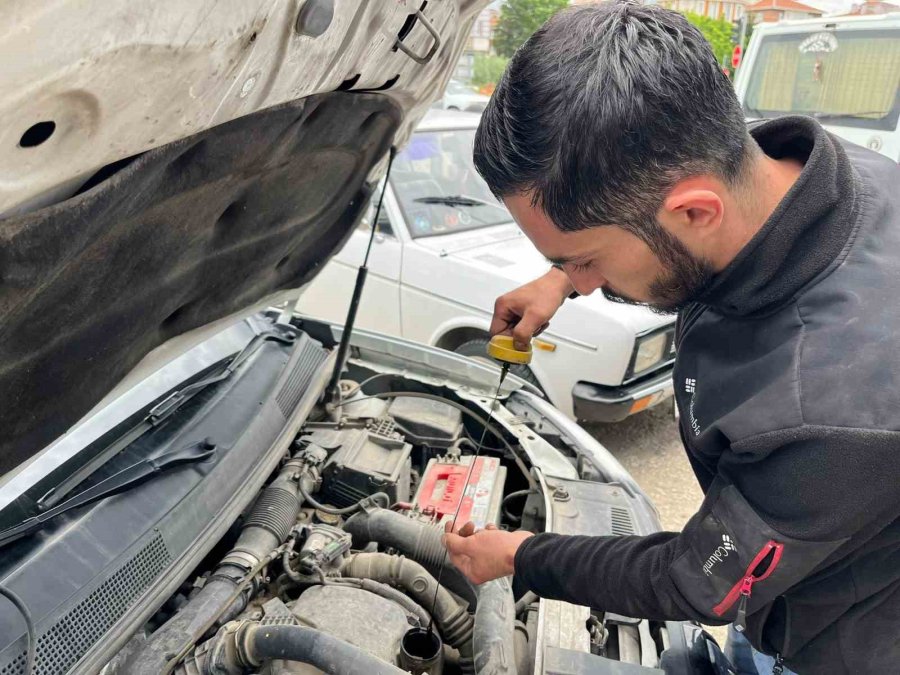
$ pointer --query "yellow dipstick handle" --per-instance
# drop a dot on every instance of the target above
(501, 348)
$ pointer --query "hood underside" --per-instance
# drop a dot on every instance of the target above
(170, 240)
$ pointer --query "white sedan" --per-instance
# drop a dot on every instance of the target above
(445, 249)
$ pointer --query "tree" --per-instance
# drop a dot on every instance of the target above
(717, 32)
(487, 69)
(519, 19)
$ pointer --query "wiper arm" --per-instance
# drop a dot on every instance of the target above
(126, 478)
(455, 200)
(830, 116)
(156, 416)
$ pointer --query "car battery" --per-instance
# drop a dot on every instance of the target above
(447, 485)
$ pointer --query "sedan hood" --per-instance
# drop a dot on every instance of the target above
(163, 170)
(506, 251)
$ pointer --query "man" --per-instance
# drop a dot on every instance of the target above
(621, 151)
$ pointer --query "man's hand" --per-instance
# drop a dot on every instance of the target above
(526, 311)
(483, 555)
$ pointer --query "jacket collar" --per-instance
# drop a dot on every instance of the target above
(806, 232)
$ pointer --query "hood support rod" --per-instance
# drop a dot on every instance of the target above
(333, 391)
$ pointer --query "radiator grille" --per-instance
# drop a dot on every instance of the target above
(66, 641)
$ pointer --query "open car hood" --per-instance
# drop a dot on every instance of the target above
(164, 168)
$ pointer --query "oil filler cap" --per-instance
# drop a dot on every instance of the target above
(501, 348)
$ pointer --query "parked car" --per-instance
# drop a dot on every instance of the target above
(843, 70)
(446, 249)
(459, 96)
(193, 484)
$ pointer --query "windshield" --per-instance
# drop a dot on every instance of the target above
(843, 78)
(438, 188)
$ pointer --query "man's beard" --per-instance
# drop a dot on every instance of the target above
(683, 281)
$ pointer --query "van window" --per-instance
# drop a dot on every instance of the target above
(845, 78)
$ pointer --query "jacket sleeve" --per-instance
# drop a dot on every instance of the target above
(772, 514)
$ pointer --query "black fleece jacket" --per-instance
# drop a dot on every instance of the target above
(788, 382)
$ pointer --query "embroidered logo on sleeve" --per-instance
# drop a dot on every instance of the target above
(721, 553)
(690, 387)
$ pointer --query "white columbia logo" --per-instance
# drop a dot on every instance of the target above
(690, 384)
(721, 552)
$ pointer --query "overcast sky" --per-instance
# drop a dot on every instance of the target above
(830, 6)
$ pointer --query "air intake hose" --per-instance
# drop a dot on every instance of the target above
(415, 539)
(267, 526)
(494, 638)
(452, 619)
(243, 647)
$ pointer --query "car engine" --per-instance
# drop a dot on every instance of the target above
(338, 565)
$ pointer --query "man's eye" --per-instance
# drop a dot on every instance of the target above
(581, 266)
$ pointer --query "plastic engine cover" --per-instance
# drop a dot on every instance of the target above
(362, 462)
(427, 422)
(361, 618)
(444, 487)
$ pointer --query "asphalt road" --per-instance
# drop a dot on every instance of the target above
(649, 448)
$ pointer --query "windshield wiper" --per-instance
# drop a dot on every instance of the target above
(455, 200)
(859, 115)
(126, 478)
(156, 416)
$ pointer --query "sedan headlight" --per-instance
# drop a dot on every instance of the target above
(650, 351)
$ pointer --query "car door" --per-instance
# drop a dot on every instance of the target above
(328, 296)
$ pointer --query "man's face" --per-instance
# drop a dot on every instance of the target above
(622, 265)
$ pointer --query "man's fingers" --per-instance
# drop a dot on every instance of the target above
(526, 329)
(467, 530)
(504, 316)
(490, 526)
(455, 544)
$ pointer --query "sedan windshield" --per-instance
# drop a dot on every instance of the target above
(438, 187)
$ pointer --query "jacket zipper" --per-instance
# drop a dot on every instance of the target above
(742, 590)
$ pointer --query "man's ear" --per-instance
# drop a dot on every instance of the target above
(694, 207)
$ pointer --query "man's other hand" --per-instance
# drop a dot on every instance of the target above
(483, 555)
(526, 311)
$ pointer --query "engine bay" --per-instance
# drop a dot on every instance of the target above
(338, 565)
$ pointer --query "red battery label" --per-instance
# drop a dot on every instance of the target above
(445, 488)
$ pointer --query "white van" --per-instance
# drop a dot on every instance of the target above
(844, 71)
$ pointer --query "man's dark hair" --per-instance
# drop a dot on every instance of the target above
(603, 110)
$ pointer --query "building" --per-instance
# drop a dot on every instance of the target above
(480, 39)
(769, 11)
(730, 10)
(873, 7)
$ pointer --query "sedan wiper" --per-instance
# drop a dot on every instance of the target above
(156, 416)
(455, 200)
(126, 478)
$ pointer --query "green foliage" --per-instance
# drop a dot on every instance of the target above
(519, 19)
(717, 32)
(487, 69)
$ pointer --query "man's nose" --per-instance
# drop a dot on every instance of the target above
(586, 283)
